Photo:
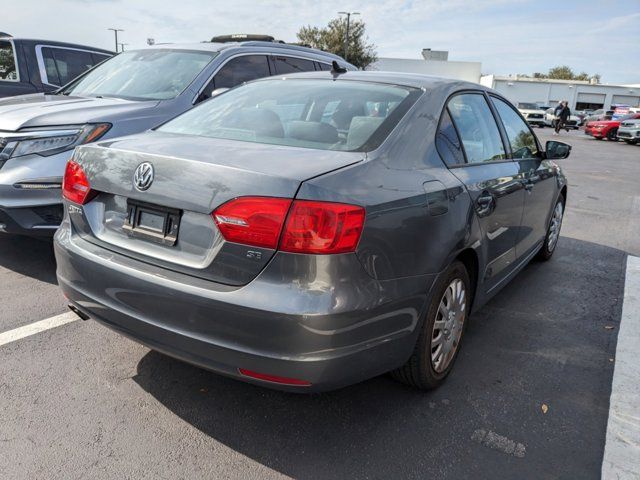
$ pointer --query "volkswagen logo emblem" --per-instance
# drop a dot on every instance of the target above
(143, 176)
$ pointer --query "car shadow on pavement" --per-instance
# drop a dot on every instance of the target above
(547, 339)
(32, 257)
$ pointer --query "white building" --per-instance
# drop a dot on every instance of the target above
(579, 94)
(433, 63)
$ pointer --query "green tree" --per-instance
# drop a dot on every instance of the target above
(561, 73)
(331, 38)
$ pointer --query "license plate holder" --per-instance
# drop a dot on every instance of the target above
(152, 222)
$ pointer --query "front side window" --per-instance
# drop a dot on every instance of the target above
(241, 69)
(523, 143)
(8, 70)
(477, 128)
(322, 114)
(153, 74)
(292, 65)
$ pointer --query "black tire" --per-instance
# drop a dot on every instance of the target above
(419, 371)
(541, 125)
(612, 135)
(548, 247)
(630, 142)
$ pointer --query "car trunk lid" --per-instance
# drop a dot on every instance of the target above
(192, 176)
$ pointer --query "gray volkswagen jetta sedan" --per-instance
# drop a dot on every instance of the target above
(311, 231)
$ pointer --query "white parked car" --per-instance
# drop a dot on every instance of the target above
(550, 119)
(629, 131)
(532, 113)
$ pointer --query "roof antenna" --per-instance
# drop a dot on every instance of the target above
(337, 69)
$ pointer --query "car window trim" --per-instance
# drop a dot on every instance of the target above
(503, 130)
(44, 78)
(15, 61)
(271, 62)
(275, 57)
(498, 125)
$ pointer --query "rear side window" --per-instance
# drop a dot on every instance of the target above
(292, 65)
(477, 127)
(521, 139)
(63, 65)
(8, 70)
(241, 69)
(321, 114)
(448, 142)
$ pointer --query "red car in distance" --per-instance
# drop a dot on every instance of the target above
(608, 129)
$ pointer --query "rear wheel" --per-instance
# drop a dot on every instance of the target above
(630, 142)
(441, 333)
(553, 231)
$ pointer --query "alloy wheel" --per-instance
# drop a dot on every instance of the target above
(554, 227)
(448, 325)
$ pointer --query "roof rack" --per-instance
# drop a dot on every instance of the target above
(293, 46)
(243, 37)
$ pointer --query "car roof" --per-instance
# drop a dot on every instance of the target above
(55, 43)
(395, 78)
(217, 47)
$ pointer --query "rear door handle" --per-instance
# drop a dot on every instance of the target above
(485, 204)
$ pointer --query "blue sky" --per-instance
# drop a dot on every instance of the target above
(507, 36)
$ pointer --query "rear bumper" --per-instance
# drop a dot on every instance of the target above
(330, 333)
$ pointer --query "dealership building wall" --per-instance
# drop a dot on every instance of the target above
(468, 71)
(579, 94)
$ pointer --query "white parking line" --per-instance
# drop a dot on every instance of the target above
(622, 449)
(37, 327)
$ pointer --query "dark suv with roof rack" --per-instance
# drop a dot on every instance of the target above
(129, 93)
(32, 66)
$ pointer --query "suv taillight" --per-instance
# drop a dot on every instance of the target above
(75, 186)
(299, 226)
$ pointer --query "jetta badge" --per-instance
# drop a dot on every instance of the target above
(143, 176)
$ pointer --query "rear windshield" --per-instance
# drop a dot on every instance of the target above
(321, 114)
(152, 74)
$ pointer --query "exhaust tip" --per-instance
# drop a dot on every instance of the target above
(74, 309)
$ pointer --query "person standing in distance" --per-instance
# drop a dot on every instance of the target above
(562, 113)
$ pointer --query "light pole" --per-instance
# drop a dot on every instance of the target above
(122, 46)
(115, 31)
(346, 37)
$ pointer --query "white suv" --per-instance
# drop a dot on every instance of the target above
(532, 113)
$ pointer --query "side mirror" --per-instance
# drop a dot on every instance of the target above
(557, 150)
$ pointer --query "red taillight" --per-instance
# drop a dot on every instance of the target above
(310, 227)
(255, 221)
(322, 228)
(274, 378)
(75, 186)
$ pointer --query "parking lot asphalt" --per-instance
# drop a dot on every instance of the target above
(528, 398)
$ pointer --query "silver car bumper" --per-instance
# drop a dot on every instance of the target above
(30, 194)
